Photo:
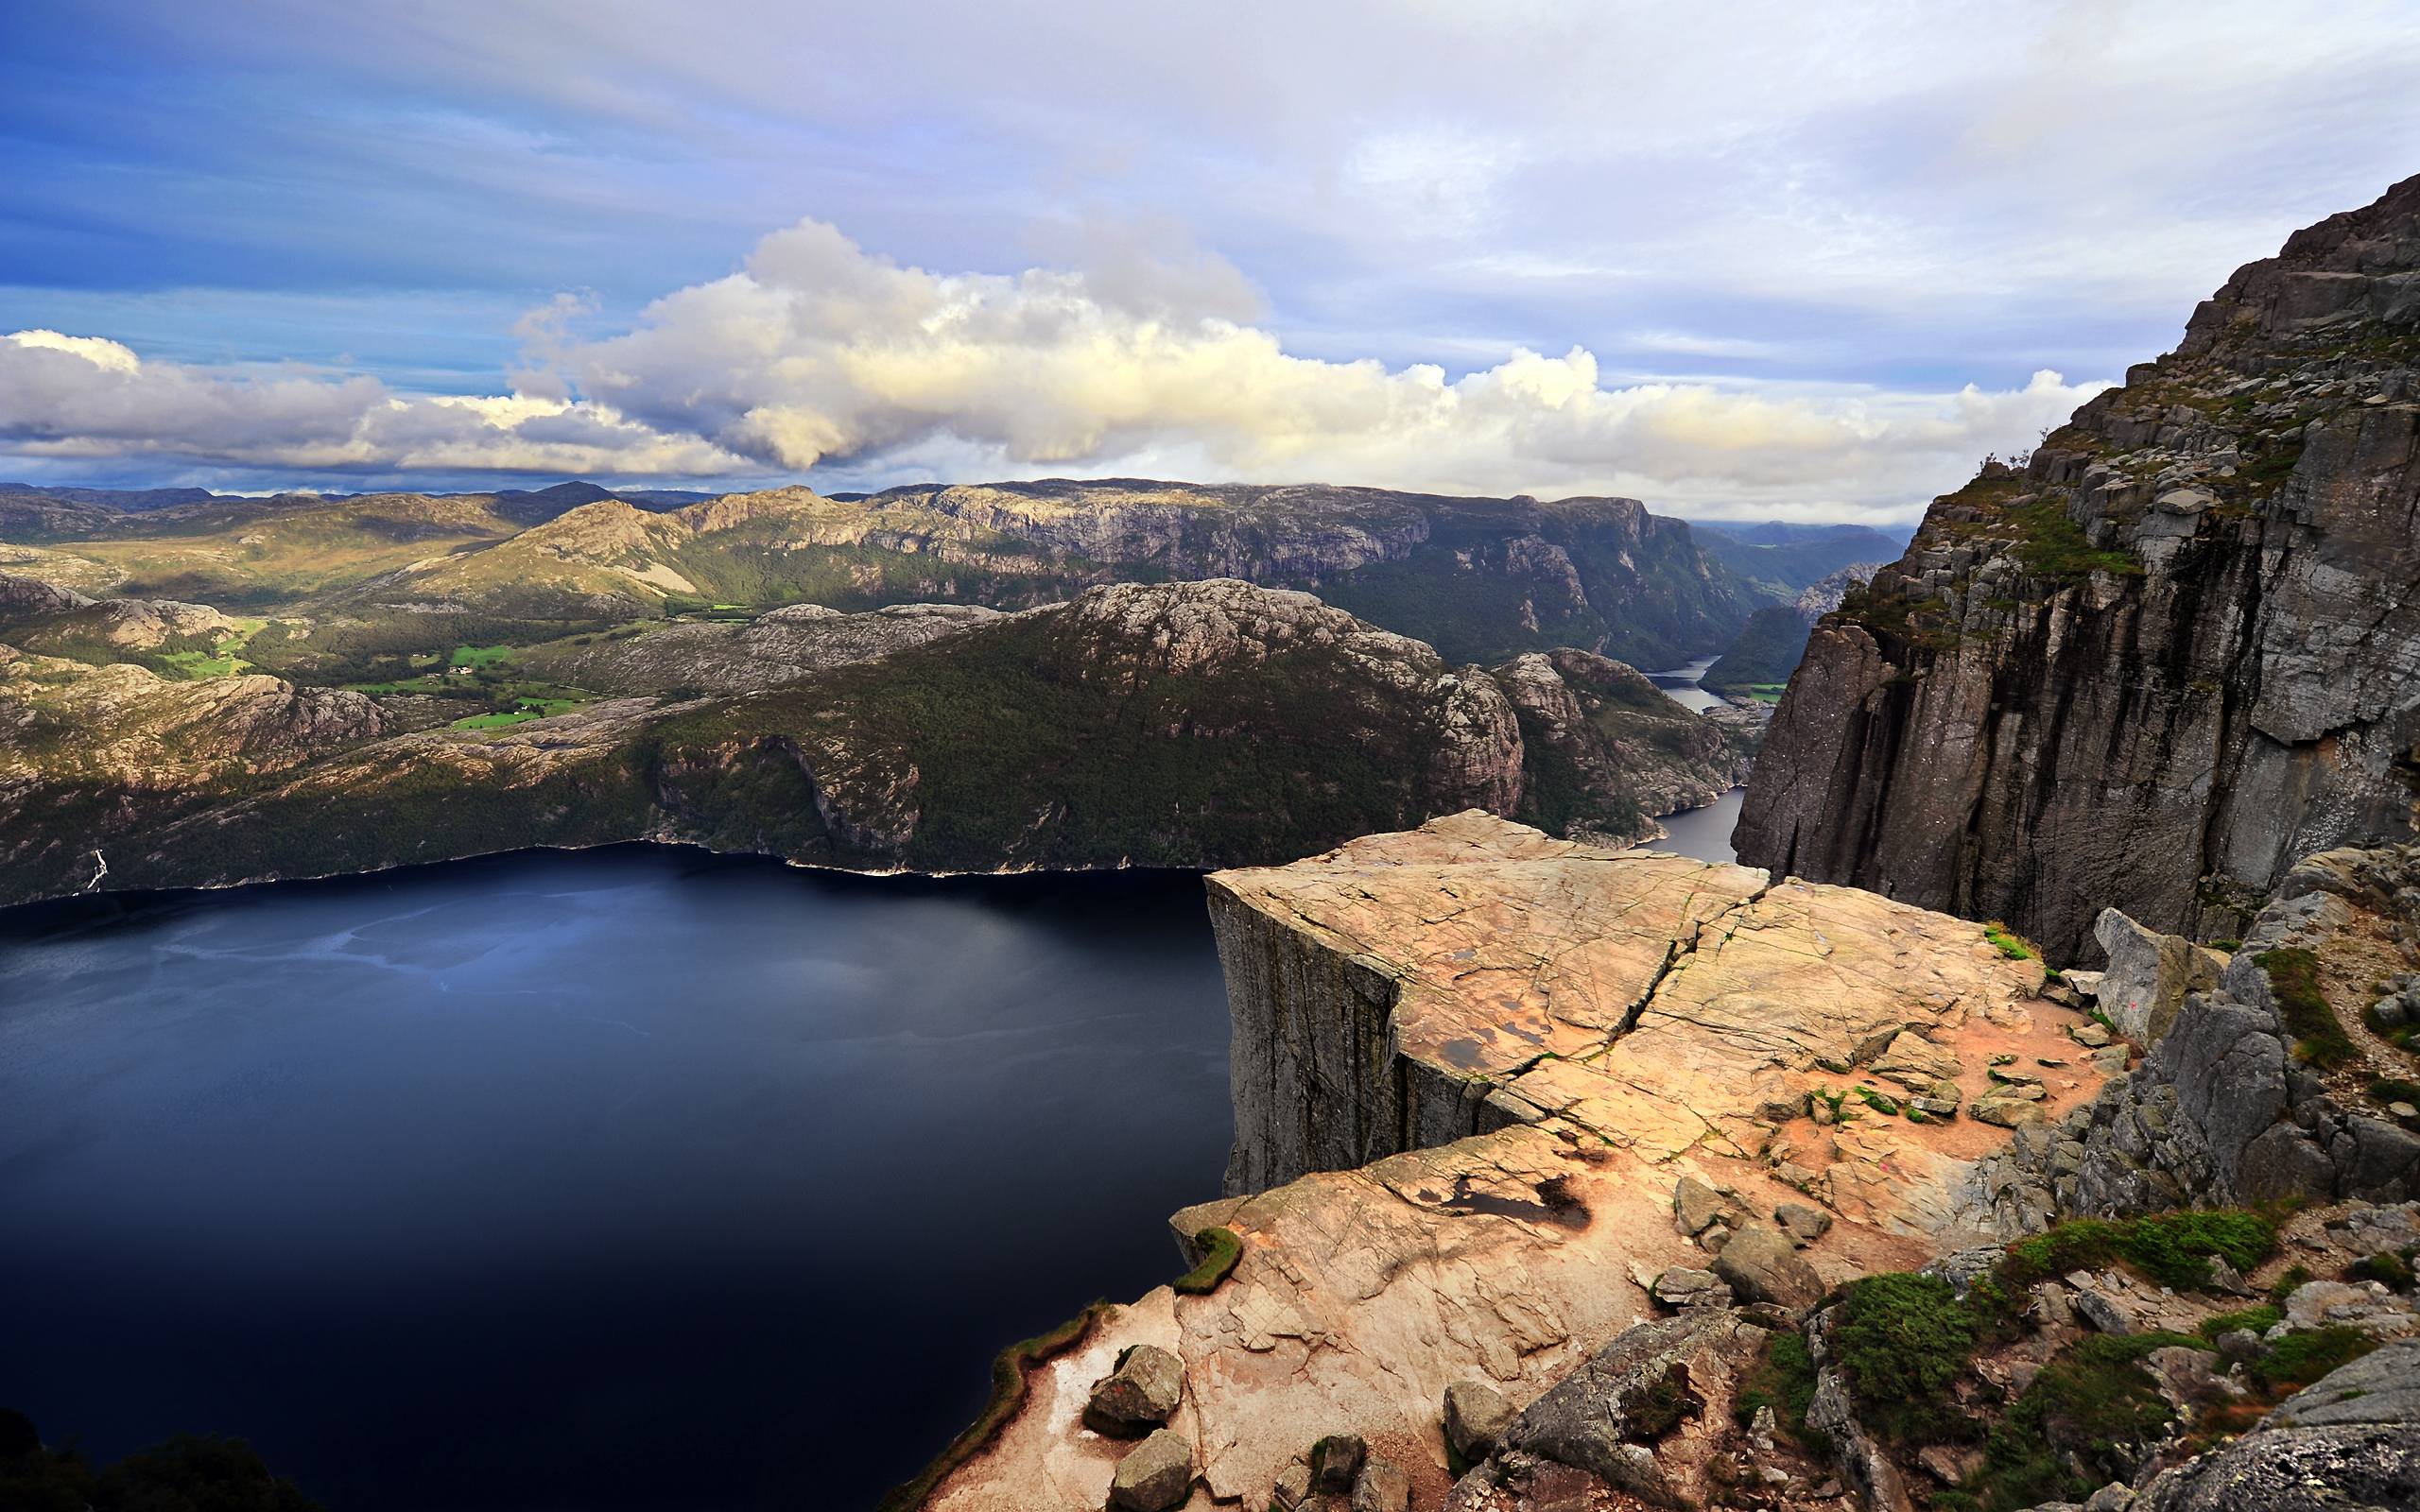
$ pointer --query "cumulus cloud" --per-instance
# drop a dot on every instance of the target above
(819, 353)
(820, 357)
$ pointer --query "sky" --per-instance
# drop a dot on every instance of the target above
(1740, 259)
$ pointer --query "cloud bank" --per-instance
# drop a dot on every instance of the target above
(822, 360)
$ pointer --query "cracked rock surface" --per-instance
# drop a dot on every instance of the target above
(1472, 1064)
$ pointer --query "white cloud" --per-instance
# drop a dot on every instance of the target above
(820, 354)
(822, 358)
(91, 398)
(109, 356)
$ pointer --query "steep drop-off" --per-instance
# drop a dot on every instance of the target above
(2171, 655)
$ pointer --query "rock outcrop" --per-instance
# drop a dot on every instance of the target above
(1475, 1067)
(2172, 655)
(2349, 1443)
(2266, 1085)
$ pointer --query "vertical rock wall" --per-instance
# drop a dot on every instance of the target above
(2172, 655)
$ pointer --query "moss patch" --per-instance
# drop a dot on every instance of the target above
(2320, 1038)
(1010, 1371)
(1220, 1250)
(2009, 944)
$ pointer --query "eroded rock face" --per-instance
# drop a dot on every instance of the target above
(1472, 1065)
(2128, 674)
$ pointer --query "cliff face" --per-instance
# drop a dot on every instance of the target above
(2175, 654)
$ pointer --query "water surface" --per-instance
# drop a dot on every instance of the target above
(1706, 832)
(1680, 685)
(632, 1179)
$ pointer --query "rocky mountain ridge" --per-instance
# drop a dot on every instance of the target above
(1173, 725)
(2173, 654)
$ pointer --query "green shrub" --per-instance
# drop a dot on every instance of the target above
(1903, 1338)
(2008, 944)
(2172, 1249)
(1781, 1377)
(2260, 1319)
(2395, 1089)
(2299, 1359)
(2089, 1410)
(2388, 1270)
(2320, 1038)
(1220, 1250)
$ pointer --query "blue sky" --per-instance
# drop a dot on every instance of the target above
(1732, 259)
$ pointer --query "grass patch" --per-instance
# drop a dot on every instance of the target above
(2054, 545)
(2172, 1249)
(480, 656)
(2320, 1038)
(1009, 1373)
(2007, 943)
(1220, 1250)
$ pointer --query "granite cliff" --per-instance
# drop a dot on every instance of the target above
(2169, 656)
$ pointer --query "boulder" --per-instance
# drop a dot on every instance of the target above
(1140, 1394)
(1695, 1204)
(1805, 1224)
(1916, 1062)
(1476, 1416)
(1763, 1267)
(2104, 1313)
(2007, 1108)
(1155, 1475)
(1336, 1460)
(1383, 1485)
(1682, 1286)
(2350, 1442)
(1619, 1416)
(2148, 975)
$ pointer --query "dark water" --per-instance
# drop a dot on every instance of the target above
(627, 1179)
(1706, 832)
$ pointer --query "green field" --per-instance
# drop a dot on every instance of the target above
(481, 656)
(525, 710)
(223, 663)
